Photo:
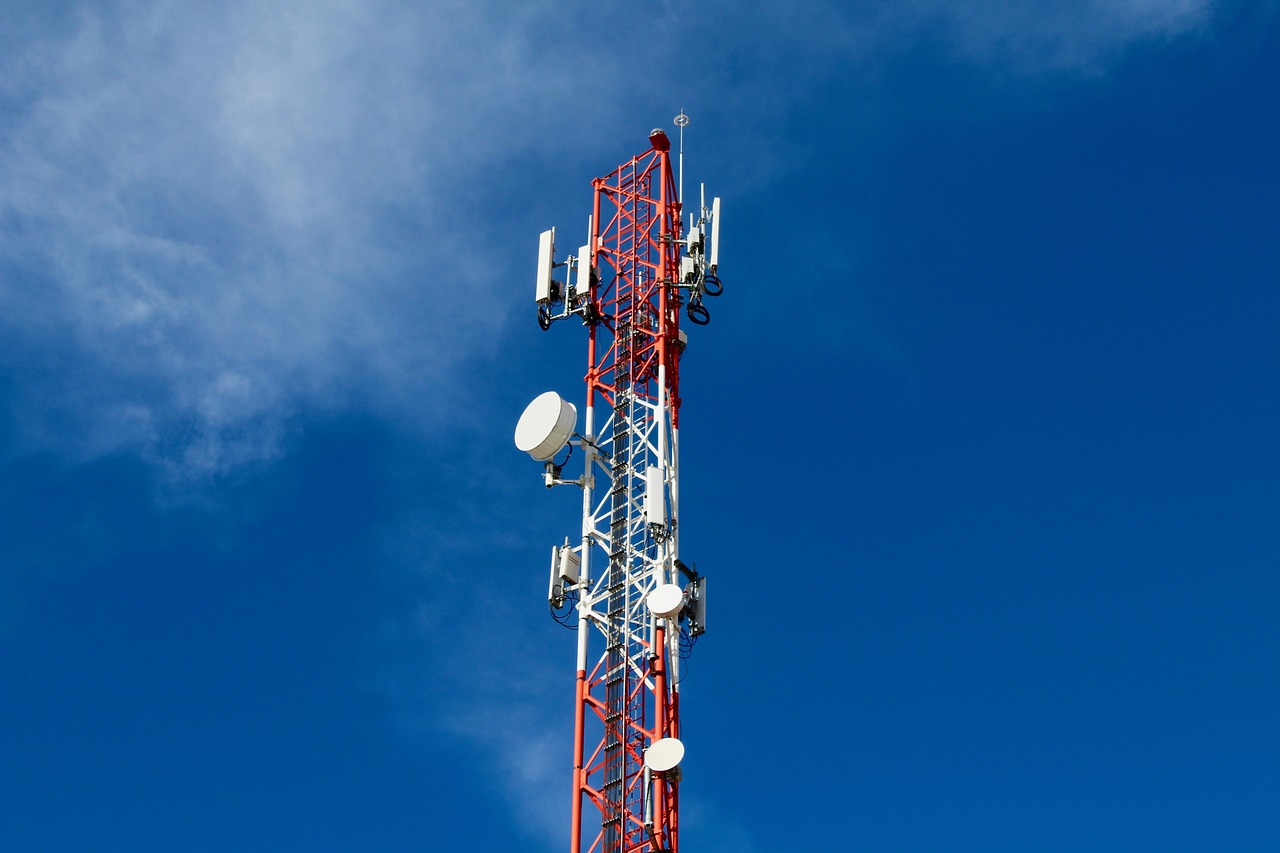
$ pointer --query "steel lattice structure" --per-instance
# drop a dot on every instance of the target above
(632, 278)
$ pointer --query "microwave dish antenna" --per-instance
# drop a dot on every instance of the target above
(546, 426)
(664, 755)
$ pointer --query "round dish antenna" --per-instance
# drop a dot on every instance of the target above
(664, 754)
(666, 600)
(545, 426)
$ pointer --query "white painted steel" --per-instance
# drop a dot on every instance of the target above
(650, 563)
(588, 530)
(673, 549)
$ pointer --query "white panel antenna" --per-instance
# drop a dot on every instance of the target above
(655, 502)
(555, 589)
(584, 271)
(699, 593)
(714, 260)
(546, 255)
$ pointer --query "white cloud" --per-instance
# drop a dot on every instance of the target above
(1034, 36)
(464, 664)
(214, 217)
(1007, 37)
(474, 656)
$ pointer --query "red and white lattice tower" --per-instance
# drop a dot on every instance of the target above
(637, 606)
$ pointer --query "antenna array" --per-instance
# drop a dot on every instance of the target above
(639, 613)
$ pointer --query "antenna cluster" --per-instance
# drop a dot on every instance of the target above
(556, 298)
(702, 259)
(639, 612)
(570, 295)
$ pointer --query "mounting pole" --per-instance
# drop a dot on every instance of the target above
(681, 121)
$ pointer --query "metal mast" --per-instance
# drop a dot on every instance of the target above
(641, 609)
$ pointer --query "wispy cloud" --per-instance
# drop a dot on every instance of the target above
(498, 699)
(212, 217)
(215, 219)
(464, 661)
(1051, 35)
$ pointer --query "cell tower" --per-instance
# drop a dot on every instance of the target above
(637, 615)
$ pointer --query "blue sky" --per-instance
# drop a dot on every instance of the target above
(979, 450)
